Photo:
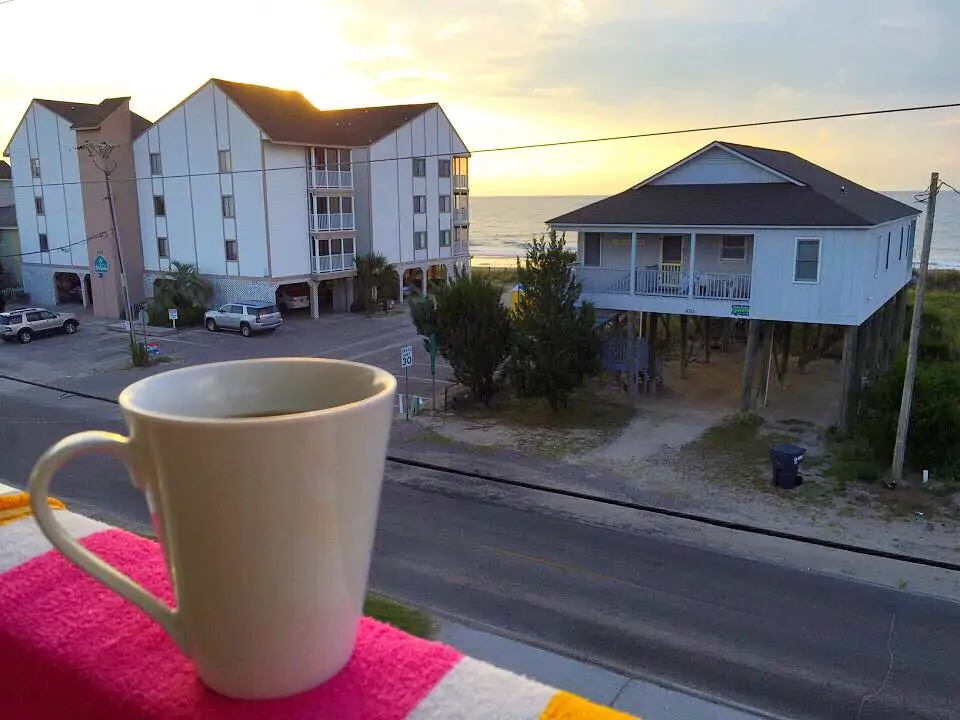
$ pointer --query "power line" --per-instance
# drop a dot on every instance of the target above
(577, 495)
(533, 146)
(58, 248)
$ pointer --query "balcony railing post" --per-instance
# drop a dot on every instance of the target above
(633, 263)
(693, 255)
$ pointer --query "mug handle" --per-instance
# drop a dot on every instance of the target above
(85, 443)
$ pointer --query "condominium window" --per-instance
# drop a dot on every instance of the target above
(460, 166)
(38, 204)
(419, 167)
(226, 204)
(444, 203)
(419, 203)
(231, 250)
(420, 240)
(155, 167)
(330, 158)
(163, 247)
(807, 267)
(444, 238)
(35, 167)
(443, 166)
(44, 244)
(159, 206)
(224, 163)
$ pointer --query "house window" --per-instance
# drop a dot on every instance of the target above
(38, 204)
(163, 247)
(226, 205)
(419, 167)
(230, 250)
(901, 243)
(224, 164)
(443, 167)
(159, 206)
(35, 167)
(44, 243)
(592, 253)
(807, 267)
(444, 203)
(419, 203)
(733, 248)
(155, 167)
(876, 256)
(420, 240)
(887, 263)
(444, 238)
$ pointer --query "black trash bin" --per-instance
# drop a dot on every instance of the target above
(786, 461)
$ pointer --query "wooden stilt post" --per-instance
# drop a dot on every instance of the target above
(725, 337)
(766, 354)
(749, 365)
(705, 325)
(886, 339)
(631, 348)
(786, 336)
(848, 378)
(873, 359)
(652, 370)
(683, 346)
(899, 322)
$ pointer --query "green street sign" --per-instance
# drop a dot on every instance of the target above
(433, 354)
(740, 310)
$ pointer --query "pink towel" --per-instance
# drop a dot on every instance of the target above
(63, 635)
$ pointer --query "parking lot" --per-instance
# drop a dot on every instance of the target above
(96, 360)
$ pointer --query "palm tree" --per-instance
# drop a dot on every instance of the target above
(376, 278)
(183, 287)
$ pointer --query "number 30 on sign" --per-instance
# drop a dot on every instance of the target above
(406, 356)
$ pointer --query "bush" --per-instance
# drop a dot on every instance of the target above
(472, 328)
(158, 317)
(934, 417)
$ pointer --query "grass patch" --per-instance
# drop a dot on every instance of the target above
(737, 450)
(400, 616)
(851, 460)
(430, 436)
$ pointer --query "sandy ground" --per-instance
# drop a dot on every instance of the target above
(673, 448)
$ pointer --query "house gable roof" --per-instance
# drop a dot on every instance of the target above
(286, 116)
(5, 173)
(809, 196)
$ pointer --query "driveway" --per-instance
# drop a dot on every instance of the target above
(96, 360)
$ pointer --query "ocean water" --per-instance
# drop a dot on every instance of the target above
(500, 226)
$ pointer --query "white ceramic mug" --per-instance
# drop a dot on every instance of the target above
(263, 478)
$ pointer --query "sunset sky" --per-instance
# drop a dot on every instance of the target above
(524, 71)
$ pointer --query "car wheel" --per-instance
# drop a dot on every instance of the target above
(245, 330)
(24, 336)
(70, 327)
(211, 325)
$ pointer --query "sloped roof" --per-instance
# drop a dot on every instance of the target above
(5, 173)
(822, 199)
(286, 116)
(84, 116)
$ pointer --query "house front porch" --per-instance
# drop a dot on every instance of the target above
(699, 273)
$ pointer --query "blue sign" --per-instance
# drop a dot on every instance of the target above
(101, 265)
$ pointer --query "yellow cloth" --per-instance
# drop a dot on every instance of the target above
(17, 505)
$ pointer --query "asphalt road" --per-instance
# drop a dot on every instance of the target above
(791, 642)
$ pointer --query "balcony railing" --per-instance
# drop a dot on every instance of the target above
(331, 221)
(333, 263)
(461, 248)
(324, 178)
(461, 216)
(667, 281)
(460, 182)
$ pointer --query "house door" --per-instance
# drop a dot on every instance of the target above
(671, 259)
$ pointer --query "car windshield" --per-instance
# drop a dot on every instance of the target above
(265, 310)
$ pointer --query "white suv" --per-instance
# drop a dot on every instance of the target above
(24, 324)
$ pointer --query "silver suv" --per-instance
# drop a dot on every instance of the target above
(247, 318)
(24, 324)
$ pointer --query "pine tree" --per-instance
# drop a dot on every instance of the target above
(556, 341)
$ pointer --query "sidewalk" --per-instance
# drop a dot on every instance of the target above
(638, 697)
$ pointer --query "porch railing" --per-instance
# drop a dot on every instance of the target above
(460, 248)
(668, 281)
(460, 215)
(721, 286)
(323, 178)
(460, 182)
(331, 221)
(333, 263)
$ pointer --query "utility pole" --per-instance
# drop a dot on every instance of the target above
(102, 150)
(906, 401)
